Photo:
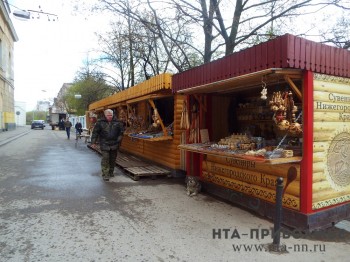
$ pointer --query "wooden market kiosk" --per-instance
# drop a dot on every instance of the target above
(151, 113)
(278, 109)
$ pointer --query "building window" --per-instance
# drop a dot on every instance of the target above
(1, 51)
(9, 67)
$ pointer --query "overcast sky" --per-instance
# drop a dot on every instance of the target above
(49, 53)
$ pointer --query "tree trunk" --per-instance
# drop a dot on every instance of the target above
(231, 41)
(208, 29)
(132, 68)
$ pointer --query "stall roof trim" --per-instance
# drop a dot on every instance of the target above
(268, 76)
(287, 51)
(156, 84)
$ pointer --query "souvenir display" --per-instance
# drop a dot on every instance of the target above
(134, 123)
(268, 128)
(194, 125)
(138, 128)
(184, 122)
(282, 104)
(122, 115)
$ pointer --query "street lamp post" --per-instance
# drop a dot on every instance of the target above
(77, 96)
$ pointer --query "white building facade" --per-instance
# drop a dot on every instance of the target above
(20, 113)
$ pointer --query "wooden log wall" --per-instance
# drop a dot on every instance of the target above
(165, 152)
(256, 179)
(331, 145)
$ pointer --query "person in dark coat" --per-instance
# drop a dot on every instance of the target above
(109, 131)
(61, 124)
(67, 125)
(78, 128)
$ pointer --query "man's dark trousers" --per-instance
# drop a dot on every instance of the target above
(108, 162)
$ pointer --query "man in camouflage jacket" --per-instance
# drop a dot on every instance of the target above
(109, 131)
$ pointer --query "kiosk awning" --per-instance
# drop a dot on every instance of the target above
(269, 76)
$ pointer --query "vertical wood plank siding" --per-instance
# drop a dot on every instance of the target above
(287, 51)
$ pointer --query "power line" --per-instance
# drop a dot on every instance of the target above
(31, 14)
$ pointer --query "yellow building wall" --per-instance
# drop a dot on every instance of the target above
(7, 105)
(9, 117)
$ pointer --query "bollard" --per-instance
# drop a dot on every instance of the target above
(278, 214)
(276, 246)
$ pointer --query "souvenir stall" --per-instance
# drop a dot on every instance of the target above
(278, 109)
(151, 114)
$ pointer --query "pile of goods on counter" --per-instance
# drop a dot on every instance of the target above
(251, 146)
(153, 132)
(238, 141)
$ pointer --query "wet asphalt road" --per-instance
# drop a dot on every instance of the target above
(55, 207)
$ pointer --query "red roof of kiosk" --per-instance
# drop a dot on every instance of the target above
(287, 51)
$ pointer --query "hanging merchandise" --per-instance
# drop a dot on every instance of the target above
(122, 115)
(135, 123)
(284, 108)
(194, 126)
(155, 118)
(264, 90)
(184, 122)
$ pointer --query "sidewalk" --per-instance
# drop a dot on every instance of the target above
(52, 215)
(8, 136)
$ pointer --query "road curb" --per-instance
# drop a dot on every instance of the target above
(8, 140)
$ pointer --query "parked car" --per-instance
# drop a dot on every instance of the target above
(43, 121)
(38, 124)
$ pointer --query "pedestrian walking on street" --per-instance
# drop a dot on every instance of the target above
(78, 128)
(61, 124)
(109, 131)
(68, 125)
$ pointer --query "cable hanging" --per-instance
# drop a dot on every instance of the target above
(31, 14)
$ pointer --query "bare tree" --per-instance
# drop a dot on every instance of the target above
(226, 26)
(169, 28)
(115, 48)
(90, 84)
(338, 34)
(134, 51)
(250, 18)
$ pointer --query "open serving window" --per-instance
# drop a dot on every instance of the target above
(150, 118)
(257, 118)
(248, 131)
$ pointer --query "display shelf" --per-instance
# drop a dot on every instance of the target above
(256, 120)
(206, 149)
(150, 137)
